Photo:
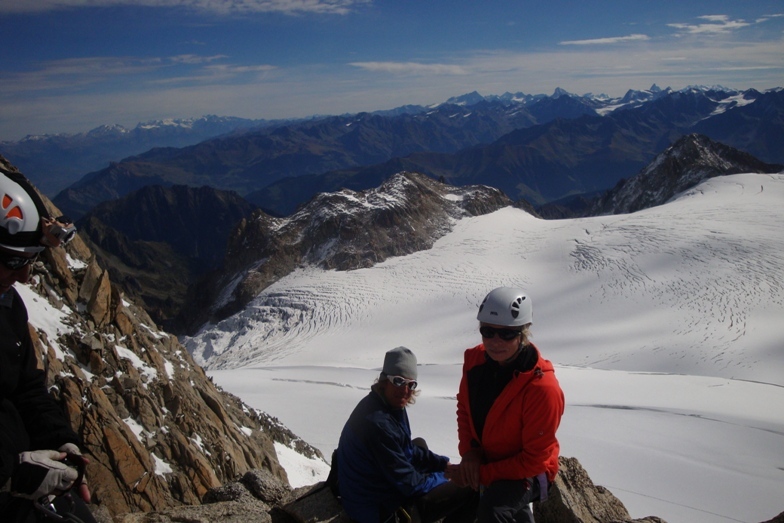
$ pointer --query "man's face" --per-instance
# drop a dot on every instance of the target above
(14, 267)
(396, 397)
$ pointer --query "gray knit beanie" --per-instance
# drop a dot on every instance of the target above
(400, 361)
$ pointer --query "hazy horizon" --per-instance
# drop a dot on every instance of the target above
(72, 67)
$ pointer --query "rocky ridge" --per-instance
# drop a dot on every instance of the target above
(344, 230)
(157, 431)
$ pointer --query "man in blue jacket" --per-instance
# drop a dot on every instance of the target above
(380, 468)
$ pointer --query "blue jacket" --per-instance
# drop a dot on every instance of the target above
(379, 468)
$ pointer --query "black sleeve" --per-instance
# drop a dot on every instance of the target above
(44, 419)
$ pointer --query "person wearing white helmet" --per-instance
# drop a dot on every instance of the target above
(509, 407)
(39, 451)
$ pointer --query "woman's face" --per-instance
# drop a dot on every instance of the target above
(498, 349)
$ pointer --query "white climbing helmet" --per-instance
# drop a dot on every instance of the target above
(20, 220)
(506, 306)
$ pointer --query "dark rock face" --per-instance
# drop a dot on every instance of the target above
(158, 240)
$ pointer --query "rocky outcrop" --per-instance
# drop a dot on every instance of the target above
(157, 431)
(259, 496)
(573, 499)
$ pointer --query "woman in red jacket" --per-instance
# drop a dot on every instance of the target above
(509, 407)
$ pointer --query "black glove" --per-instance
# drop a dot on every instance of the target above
(41, 472)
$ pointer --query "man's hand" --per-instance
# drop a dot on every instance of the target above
(83, 489)
(452, 473)
(41, 472)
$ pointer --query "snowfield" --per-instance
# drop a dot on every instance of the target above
(664, 325)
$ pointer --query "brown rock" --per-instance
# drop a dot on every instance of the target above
(100, 302)
(574, 498)
(224, 512)
(315, 504)
(90, 280)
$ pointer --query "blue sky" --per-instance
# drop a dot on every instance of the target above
(71, 65)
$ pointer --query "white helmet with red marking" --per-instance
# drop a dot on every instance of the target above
(20, 215)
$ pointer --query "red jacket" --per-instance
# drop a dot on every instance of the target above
(519, 433)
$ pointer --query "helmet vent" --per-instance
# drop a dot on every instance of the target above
(12, 211)
(515, 308)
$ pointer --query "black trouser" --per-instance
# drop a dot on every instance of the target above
(447, 501)
(20, 510)
(508, 501)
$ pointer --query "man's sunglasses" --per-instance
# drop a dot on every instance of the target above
(504, 334)
(14, 263)
(400, 381)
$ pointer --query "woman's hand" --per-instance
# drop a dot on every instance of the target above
(469, 468)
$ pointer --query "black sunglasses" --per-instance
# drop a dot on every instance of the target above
(400, 381)
(14, 263)
(504, 334)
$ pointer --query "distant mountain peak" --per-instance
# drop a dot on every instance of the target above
(705, 88)
(692, 159)
(104, 130)
(560, 92)
(471, 98)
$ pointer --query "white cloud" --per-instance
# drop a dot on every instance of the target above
(765, 18)
(292, 7)
(196, 59)
(79, 73)
(716, 24)
(605, 41)
(410, 68)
